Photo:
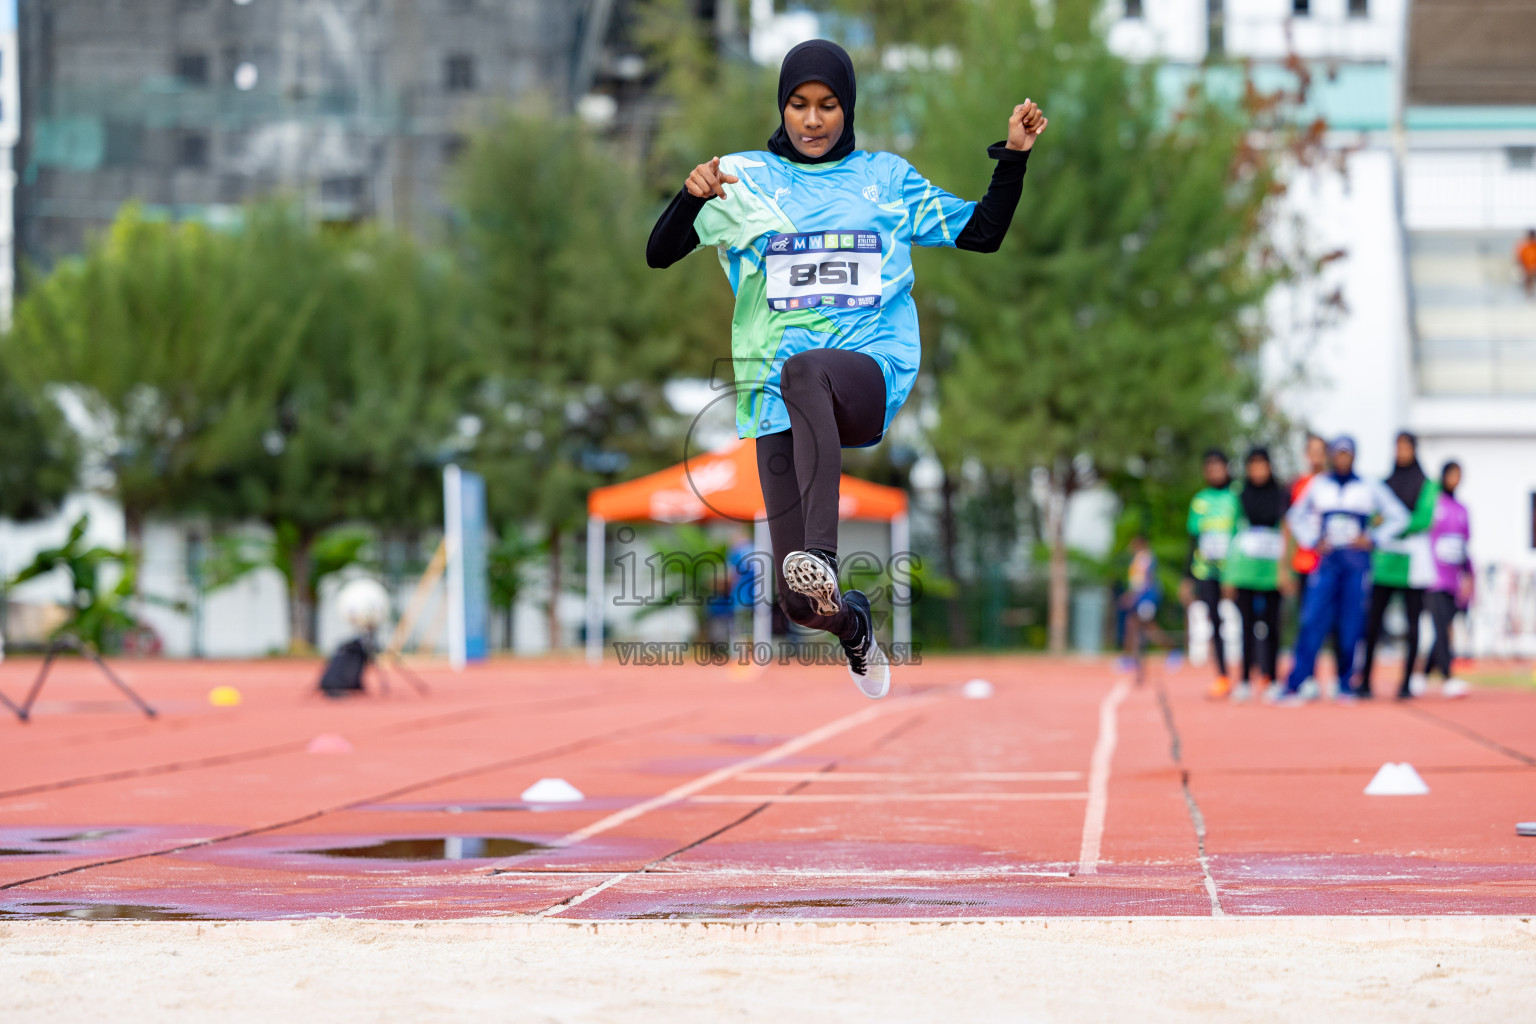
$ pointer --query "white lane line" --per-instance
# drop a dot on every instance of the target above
(583, 897)
(846, 798)
(767, 757)
(910, 776)
(1098, 778)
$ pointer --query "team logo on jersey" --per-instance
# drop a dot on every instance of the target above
(779, 194)
(872, 193)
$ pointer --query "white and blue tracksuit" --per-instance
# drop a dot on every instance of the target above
(1338, 511)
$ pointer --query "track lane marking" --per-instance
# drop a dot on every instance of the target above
(679, 793)
(909, 776)
(1098, 778)
(842, 798)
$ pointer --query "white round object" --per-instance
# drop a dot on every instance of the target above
(977, 689)
(245, 77)
(363, 603)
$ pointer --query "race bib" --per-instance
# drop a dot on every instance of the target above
(1261, 543)
(1341, 529)
(1451, 549)
(827, 268)
(1213, 546)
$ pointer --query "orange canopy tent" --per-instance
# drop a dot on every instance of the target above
(720, 484)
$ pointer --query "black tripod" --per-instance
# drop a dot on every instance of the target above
(70, 643)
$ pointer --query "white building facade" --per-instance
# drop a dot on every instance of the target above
(1438, 185)
(10, 132)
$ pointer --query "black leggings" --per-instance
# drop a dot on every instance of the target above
(1413, 604)
(1442, 610)
(1261, 630)
(1208, 593)
(835, 397)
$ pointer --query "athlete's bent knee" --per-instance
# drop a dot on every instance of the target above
(799, 372)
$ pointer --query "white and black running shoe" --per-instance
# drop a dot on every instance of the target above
(867, 663)
(814, 574)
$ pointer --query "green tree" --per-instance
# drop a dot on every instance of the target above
(578, 333)
(98, 613)
(175, 340)
(280, 372)
(39, 453)
(507, 565)
(370, 410)
(1116, 331)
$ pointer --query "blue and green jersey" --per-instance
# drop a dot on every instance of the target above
(820, 256)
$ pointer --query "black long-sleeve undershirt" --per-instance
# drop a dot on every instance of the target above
(674, 235)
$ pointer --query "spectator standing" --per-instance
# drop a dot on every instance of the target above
(1525, 258)
(1252, 575)
(1451, 591)
(1401, 566)
(1213, 516)
(1335, 515)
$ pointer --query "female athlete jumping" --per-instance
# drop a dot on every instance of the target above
(816, 238)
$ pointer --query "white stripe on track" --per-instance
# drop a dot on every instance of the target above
(1098, 778)
(767, 757)
(845, 798)
(822, 777)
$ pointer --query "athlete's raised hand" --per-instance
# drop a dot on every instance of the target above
(1025, 126)
(707, 180)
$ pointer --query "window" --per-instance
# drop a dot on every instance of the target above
(1359, 8)
(1133, 8)
(454, 147)
(1215, 27)
(345, 190)
(192, 150)
(1301, 7)
(1521, 158)
(192, 69)
(459, 73)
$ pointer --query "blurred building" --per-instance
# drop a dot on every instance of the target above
(357, 108)
(1433, 105)
(10, 130)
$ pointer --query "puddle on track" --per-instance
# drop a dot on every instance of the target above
(96, 912)
(433, 848)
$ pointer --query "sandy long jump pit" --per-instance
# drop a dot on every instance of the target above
(760, 844)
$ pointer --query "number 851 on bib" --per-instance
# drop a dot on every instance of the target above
(824, 268)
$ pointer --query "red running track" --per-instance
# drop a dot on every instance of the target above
(747, 793)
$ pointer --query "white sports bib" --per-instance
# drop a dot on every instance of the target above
(1451, 549)
(1341, 529)
(1261, 543)
(824, 268)
(1214, 545)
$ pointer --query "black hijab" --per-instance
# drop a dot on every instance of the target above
(1407, 481)
(816, 60)
(1263, 505)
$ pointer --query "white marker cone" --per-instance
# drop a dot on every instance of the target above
(976, 689)
(552, 791)
(1393, 779)
(329, 743)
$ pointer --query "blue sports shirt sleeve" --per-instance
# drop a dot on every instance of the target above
(938, 217)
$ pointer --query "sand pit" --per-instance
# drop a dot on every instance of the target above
(1282, 969)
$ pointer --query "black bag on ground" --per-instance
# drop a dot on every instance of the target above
(344, 672)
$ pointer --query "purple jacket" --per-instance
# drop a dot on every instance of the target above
(1448, 537)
